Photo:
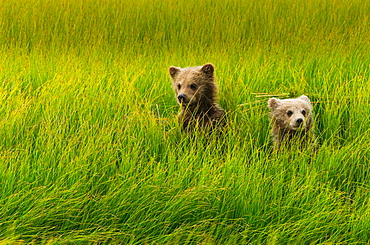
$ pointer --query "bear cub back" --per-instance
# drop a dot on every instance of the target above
(196, 92)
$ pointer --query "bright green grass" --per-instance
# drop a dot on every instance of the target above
(90, 147)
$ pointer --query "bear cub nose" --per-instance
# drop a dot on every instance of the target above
(181, 97)
(299, 121)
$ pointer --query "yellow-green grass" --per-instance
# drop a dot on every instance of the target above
(90, 147)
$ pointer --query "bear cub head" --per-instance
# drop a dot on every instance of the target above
(291, 114)
(194, 85)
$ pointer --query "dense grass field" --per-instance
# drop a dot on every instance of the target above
(91, 152)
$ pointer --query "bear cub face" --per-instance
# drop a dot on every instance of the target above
(193, 84)
(291, 114)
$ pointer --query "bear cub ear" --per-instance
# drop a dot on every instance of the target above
(173, 71)
(208, 69)
(305, 98)
(273, 103)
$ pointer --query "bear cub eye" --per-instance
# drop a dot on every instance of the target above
(304, 113)
(289, 113)
(193, 86)
(178, 86)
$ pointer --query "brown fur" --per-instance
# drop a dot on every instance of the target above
(285, 115)
(196, 92)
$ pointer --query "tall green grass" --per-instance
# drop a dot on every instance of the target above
(91, 151)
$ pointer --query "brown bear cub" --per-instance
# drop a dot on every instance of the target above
(291, 118)
(196, 92)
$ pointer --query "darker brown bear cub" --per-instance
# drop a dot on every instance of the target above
(196, 92)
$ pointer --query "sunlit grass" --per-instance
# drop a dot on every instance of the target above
(90, 149)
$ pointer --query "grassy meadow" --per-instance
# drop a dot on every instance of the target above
(90, 149)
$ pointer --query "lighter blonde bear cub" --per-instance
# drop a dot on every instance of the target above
(291, 119)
